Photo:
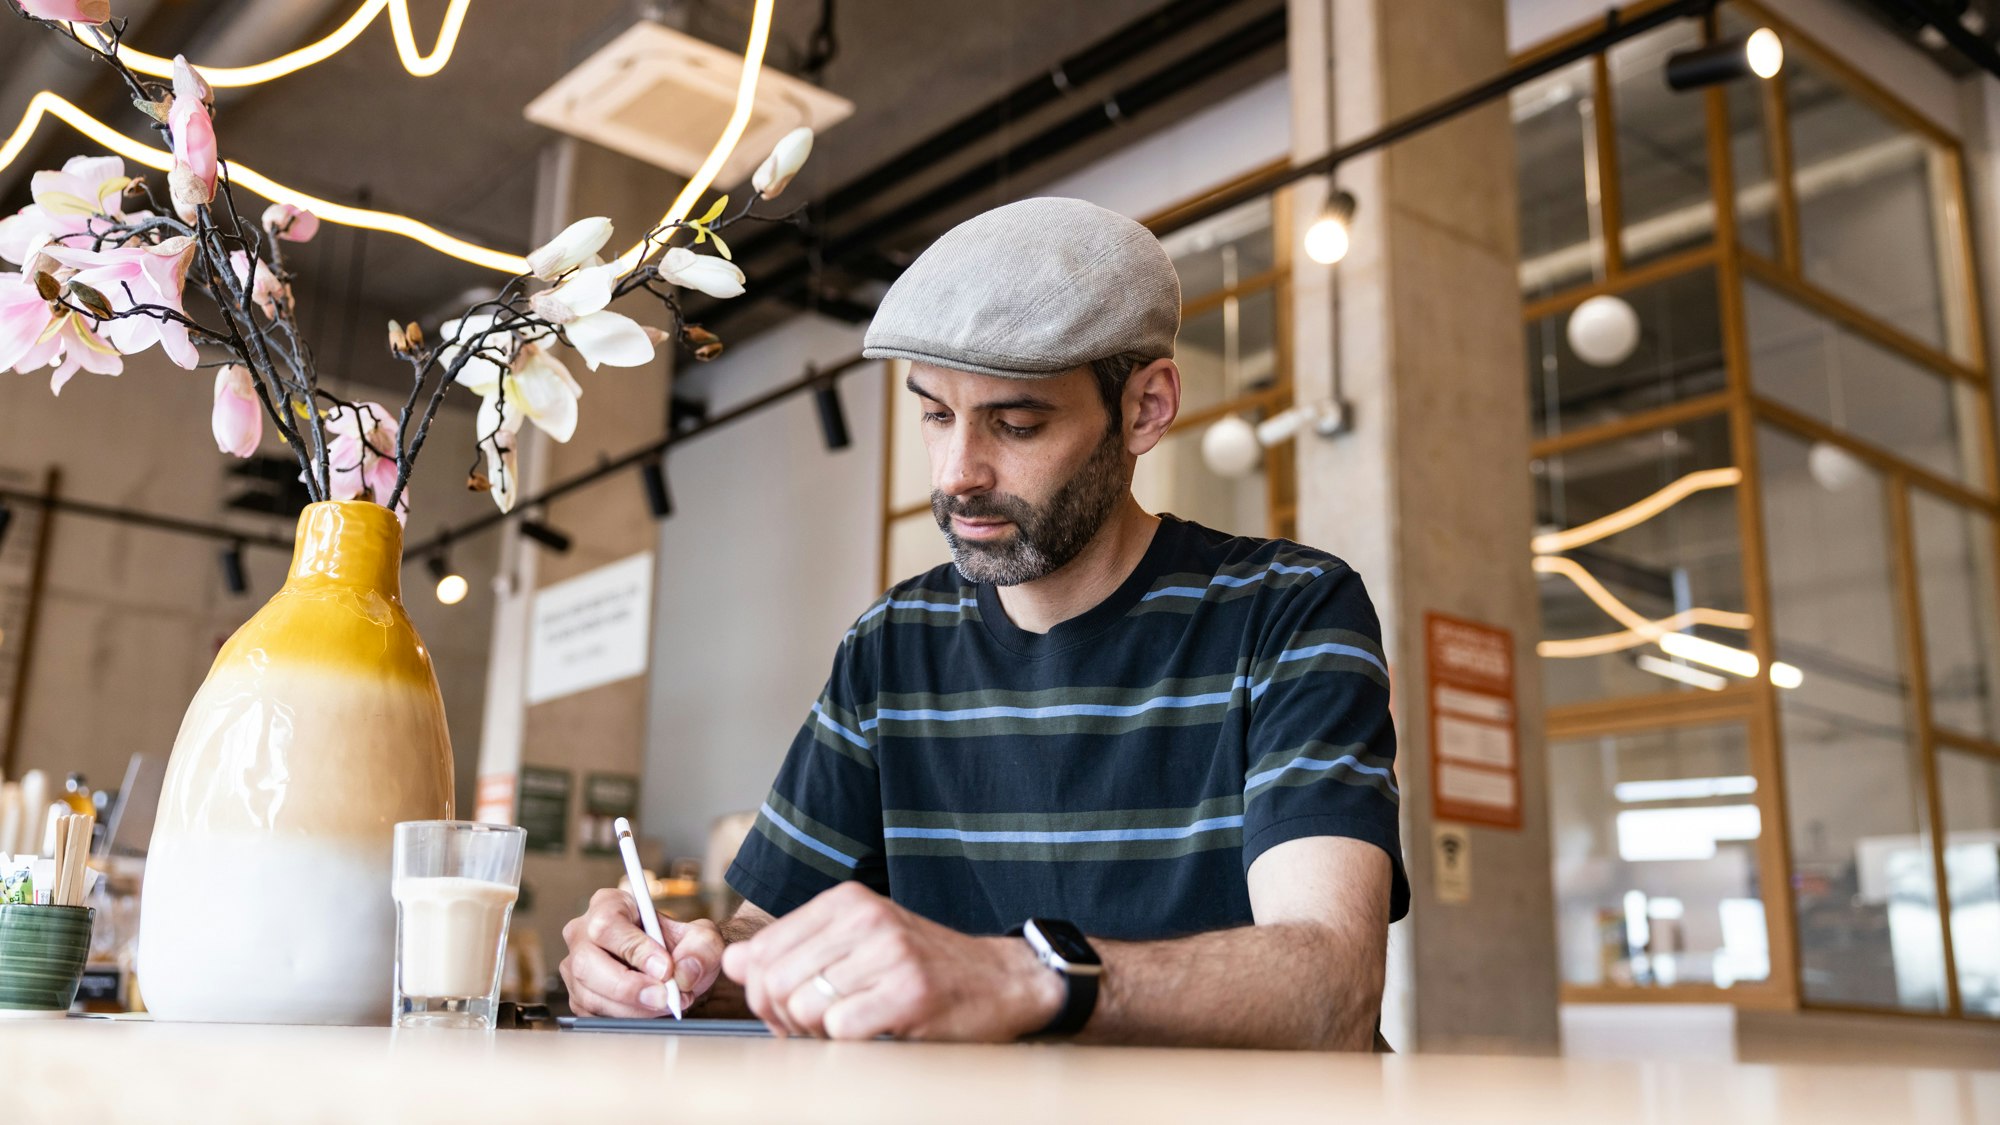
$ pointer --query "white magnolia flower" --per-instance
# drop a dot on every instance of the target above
(601, 336)
(541, 390)
(497, 430)
(576, 246)
(709, 274)
(787, 157)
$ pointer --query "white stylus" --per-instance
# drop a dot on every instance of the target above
(636, 876)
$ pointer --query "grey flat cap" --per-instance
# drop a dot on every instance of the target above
(1031, 290)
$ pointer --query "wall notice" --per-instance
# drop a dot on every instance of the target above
(592, 630)
(544, 809)
(1475, 753)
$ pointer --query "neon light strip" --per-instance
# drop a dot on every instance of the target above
(1633, 515)
(739, 119)
(1603, 644)
(416, 62)
(1625, 615)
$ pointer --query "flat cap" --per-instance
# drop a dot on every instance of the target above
(1032, 290)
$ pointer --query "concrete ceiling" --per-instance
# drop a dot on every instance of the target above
(455, 151)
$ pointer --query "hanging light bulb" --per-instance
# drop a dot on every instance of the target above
(1834, 468)
(1328, 238)
(451, 585)
(1604, 330)
(1230, 447)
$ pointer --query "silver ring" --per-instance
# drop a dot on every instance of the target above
(826, 987)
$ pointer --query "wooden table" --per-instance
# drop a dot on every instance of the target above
(86, 1071)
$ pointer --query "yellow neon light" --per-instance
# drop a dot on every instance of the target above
(389, 222)
(739, 119)
(416, 62)
(1604, 644)
(256, 182)
(1639, 629)
(1633, 515)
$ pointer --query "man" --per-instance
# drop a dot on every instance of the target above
(1109, 775)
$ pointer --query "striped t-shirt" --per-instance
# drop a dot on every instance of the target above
(1120, 771)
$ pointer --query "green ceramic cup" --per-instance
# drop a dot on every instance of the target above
(42, 950)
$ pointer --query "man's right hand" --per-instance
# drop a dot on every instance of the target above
(614, 969)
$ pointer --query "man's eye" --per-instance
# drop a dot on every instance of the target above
(936, 417)
(1018, 431)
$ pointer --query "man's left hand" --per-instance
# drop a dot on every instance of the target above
(850, 964)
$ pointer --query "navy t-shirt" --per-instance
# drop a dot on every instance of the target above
(1121, 771)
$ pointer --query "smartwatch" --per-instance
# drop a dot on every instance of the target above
(1063, 948)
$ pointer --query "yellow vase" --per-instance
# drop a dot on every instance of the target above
(319, 727)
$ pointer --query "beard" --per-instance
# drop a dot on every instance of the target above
(1046, 537)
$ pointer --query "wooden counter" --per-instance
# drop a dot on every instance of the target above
(86, 1071)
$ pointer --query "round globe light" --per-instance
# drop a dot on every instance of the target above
(1835, 468)
(1604, 331)
(1327, 240)
(451, 589)
(1230, 447)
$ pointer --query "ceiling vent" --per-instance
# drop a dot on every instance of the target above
(663, 96)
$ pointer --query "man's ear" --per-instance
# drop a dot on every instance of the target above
(1152, 401)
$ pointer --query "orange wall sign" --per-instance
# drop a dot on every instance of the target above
(1475, 750)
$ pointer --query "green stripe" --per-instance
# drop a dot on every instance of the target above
(817, 830)
(1321, 752)
(1093, 852)
(1227, 805)
(832, 740)
(1270, 668)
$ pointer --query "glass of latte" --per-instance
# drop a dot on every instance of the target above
(454, 882)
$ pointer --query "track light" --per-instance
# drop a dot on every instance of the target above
(6, 517)
(832, 419)
(654, 475)
(1328, 238)
(547, 536)
(1760, 54)
(233, 575)
(451, 585)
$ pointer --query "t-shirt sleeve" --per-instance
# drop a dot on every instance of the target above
(822, 822)
(1322, 747)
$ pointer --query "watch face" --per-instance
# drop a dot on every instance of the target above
(1067, 941)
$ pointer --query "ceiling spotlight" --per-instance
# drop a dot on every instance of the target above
(6, 517)
(654, 475)
(233, 575)
(451, 585)
(1328, 238)
(547, 536)
(1760, 54)
(832, 419)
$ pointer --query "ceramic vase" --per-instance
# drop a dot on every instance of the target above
(266, 895)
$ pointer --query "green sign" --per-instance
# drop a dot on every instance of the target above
(606, 796)
(544, 808)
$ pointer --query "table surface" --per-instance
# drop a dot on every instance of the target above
(95, 1070)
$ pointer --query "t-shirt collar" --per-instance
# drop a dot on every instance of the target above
(1089, 624)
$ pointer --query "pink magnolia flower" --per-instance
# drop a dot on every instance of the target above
(196, 161)
(293, 224)
(69, 11)
(269, 293)
(83, 198)
(361, 447)
(134, 275)
(238, 421)
(24, 316)
(37, 333)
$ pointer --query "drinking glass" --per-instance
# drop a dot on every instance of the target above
(454, 882)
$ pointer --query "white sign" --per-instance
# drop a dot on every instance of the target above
(1451, 862)
(592, 630)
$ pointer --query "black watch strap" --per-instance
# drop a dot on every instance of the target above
(1079, 999)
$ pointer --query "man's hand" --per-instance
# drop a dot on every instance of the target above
(614, 969)
(891, 972)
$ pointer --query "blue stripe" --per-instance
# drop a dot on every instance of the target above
(959, 606)
(1058, 711)
(826, 721)
(789, 829)
(1230, 580)
(1078, 836)
(1347, 760)
(1331, 649)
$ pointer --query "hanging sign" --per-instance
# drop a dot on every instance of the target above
(1474, 754)
(591, 630)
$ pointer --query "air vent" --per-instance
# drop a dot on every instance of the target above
(663, 96)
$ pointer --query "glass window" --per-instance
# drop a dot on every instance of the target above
(1682, 563)
(1870, 227)
(1229, 351)
(1750, 156)
(1956, 584)
(1971, 796)
(1867, 906)
(1225, 251)
(1655, 854)
(1679, 356)
(1174, 478)
(1663, 188)
(1818, 367)
(909, 464)
(1555, 144)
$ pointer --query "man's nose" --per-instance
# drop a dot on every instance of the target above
(962, 467)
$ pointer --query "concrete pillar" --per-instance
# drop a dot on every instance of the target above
(1429, 497)
(602, 729)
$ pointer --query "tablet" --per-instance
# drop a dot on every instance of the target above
(754, 1029)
